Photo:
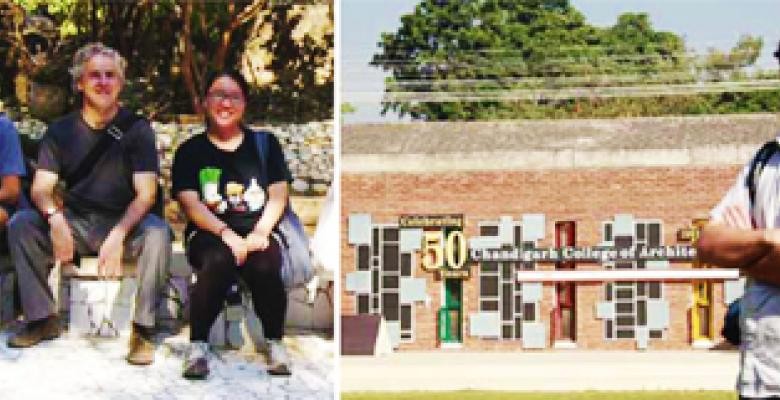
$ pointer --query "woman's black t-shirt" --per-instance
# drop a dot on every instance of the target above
(228, 182)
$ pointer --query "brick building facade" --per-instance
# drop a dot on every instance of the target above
(538, 184)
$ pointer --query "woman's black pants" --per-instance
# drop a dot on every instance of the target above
(216, 271)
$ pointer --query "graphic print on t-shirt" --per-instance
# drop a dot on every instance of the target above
(235, 199)
(209, 189)
(254, 196)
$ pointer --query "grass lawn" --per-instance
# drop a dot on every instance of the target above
(588, 395)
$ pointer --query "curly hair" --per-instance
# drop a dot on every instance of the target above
(86, 52)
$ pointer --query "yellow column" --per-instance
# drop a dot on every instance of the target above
(701, 311)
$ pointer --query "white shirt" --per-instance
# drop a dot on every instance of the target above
(759, 374)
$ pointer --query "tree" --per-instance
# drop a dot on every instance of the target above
(720, 66)
(172, 45)
(520, 58)
(289, 58)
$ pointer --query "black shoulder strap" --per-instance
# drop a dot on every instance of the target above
(757, 166)
(261, 141)
(114, 132)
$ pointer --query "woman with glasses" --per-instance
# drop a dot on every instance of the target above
(231, 218)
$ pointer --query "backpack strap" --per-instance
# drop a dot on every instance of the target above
(113, 133)
(261, 141)
(757, 166)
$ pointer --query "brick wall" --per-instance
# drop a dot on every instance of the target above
(586, 196)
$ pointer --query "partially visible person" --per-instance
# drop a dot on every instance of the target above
(744, 233)
(106, 204)
(325, 246)
(218, 178)
(11, 171)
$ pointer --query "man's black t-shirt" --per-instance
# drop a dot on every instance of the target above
(108, 187)
(228, 182)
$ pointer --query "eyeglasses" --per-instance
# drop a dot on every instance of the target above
(232, 97)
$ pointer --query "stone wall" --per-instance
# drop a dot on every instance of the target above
(308, 149)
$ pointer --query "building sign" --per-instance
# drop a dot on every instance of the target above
(443, 248)
(594, 254)
(431, 221)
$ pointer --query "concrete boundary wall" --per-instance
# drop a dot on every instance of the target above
(708, 140)
(547, 159)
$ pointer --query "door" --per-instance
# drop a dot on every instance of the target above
(564, 316)
(450, 318)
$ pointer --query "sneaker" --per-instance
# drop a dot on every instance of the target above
(196, 364)
(279, 361)
(36, 331)
(141, 346)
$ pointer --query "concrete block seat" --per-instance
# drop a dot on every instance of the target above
(105, 307)
(96, 306)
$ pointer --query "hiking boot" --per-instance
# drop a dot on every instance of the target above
(36, 331)
(196, 364)
(141, 346)
(278, 360)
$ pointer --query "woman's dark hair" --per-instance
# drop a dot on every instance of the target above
(232, 74)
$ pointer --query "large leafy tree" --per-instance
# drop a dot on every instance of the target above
(536, 59)
(172, 45)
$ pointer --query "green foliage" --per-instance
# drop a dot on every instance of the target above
(52, 6)
(485, 49)
(296, 94)
(151, 36)
(722, 66)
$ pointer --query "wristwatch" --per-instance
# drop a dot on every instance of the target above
(49, 212)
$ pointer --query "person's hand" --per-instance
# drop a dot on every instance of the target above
(110, 254)
(257, 241)
(736, 216)
(61, 238)
(237, 245)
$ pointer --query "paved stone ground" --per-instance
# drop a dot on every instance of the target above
(94, 368)
(571, 370)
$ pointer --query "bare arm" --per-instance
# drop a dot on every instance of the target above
(110, 252)
(205, 220)
(729, 247)
(277, 200)
(259, 238)
(10, 189)
(755, 252)
(42, 193)
(145, 185)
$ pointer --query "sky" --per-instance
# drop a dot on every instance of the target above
(702, 23)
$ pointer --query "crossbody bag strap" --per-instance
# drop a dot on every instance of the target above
(113, 133)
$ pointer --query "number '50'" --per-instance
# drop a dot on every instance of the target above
(435, 250)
